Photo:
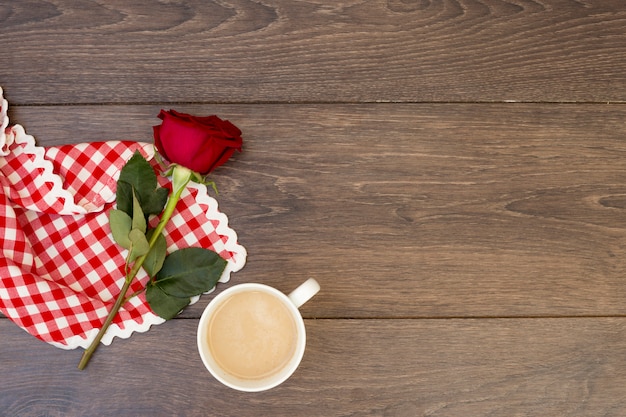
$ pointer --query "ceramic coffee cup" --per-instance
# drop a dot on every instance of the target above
(251, 337)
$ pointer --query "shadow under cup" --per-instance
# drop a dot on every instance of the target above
(259, 314)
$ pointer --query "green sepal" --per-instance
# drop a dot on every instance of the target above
(197, 178)
(213, 185)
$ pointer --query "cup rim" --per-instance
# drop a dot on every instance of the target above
(244, 384)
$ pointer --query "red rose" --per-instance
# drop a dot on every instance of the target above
(198, 143)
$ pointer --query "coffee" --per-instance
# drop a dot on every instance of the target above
(252, 334)
(251, 337)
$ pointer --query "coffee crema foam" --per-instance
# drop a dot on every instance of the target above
(252, 335)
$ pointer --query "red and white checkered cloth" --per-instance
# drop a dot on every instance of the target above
(60, 270)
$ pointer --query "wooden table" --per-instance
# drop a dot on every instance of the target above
(452, 172)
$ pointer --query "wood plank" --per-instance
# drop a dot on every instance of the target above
(66, 51)
(466, 210)
(500, 367)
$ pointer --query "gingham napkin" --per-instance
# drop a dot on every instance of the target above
(60, 270)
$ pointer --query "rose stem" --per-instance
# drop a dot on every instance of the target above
(180, 178)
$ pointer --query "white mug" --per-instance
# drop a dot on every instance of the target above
(251, 337)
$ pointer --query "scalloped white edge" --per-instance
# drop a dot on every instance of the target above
(4, 141)
(18, 135)
(39, 161)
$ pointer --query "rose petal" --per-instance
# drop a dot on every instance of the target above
(198, 143)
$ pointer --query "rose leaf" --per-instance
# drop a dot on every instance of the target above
(153, 202)
(189, 272)
(139, 244)
(121, 225)
(139, 221)
(165, 305)
(154, 261)
(139, 176)
(139, 173)
(124, 197)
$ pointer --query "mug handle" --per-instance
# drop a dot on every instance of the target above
(304, 292)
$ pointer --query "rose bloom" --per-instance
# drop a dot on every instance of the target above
(198, 143)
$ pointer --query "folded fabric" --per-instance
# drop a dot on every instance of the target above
(60, 270)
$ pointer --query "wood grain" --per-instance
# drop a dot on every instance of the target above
(468, 210)
(66, 51)
(498, 367)
(451, 171)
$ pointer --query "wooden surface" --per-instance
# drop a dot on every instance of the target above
(452, 172)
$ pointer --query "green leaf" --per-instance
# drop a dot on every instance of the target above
(165, 305)
(185, 273)
(124, 197)
(139, 221)
(139, 241)
(189, 272)
(154, 202)
(154, 261)
(121, 224)
(138, 175)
